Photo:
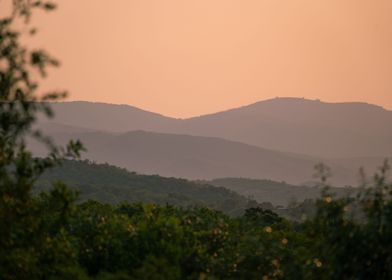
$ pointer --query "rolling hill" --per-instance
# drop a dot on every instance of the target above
(110, 184)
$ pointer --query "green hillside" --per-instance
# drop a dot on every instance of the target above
(110, 184)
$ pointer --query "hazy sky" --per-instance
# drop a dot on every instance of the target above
(189, 57)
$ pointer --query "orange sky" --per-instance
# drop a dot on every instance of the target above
(188, 57)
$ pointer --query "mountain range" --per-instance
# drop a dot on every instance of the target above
(278, 139)
(293, 125)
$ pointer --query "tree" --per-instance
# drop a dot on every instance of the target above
(23, 230)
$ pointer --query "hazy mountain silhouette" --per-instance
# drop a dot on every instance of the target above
(304, 126)
(196, 157)
(109, 117)
(285, 124)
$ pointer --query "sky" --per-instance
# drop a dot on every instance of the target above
(183, 58)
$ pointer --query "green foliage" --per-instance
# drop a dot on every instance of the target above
(353, 236)
(147, 241)
(28, 237)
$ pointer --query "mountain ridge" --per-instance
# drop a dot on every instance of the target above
(306, 130)
(356, 103)
(199, 157)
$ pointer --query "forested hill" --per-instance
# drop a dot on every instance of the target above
(114, 185)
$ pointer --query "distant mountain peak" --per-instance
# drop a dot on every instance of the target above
(305, 101)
